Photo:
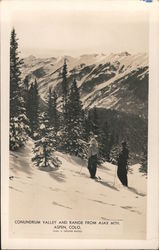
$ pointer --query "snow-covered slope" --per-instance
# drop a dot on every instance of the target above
(67, 194)
(118, 81)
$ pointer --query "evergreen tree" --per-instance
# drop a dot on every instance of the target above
(52, 110)
(114, 153)
(33, 107)
(75, 104)
(45, 145)
(49, 102)
(104, 141)
(144, 162)
(18, 121)
(87, 123)
(15, 76)
(64, 87)
(111, 144)
(73, 131)
(95, 122)
(26, 83)
(55, 112)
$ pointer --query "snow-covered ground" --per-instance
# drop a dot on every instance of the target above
(68, 194)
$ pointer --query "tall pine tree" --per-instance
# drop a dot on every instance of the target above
(64, 87)
(65, 120)
(15, 76)
(74, 128)
(104, 137)
(44, 148)
(26, 83)
(52, 110)
(95, 121)
(32, 107)
(18, 121)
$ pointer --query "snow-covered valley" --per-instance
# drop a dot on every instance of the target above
(67, 193)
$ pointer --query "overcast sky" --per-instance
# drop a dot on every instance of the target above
(57, 28)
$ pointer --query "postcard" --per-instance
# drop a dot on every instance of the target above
(79, 124)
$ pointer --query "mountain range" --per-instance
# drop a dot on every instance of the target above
(105, 81)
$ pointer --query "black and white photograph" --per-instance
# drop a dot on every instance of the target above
(78, 121)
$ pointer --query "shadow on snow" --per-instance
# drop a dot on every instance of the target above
(60, 205)
(108, 185)
(133, 190)
(21, 164)
(58, 176)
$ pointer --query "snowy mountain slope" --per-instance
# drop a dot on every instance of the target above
(65, 193)
(118, 81)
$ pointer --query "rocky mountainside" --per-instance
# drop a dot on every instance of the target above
(114, 81)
